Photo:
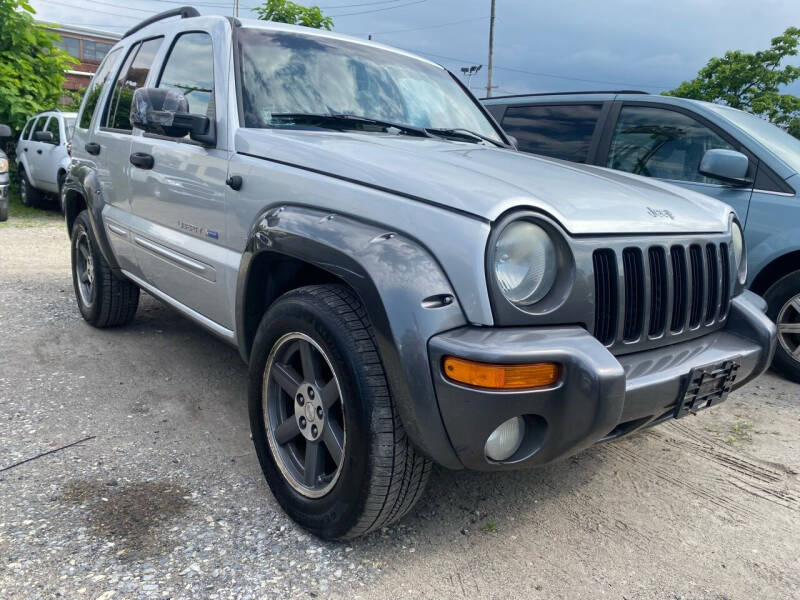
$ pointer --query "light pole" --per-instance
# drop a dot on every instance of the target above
(489, 85)
(469, 72)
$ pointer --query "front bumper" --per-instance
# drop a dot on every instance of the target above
(599, 396)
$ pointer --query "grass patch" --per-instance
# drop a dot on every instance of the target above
(741, 431)
(25, 216)
(490, 527)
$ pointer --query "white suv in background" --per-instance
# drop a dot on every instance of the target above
(42, 155)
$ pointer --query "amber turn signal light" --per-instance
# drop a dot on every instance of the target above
(501, 377)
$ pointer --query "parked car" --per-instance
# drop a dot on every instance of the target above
(719, 151)
(43, 156)
(5, 132)
(405, 287)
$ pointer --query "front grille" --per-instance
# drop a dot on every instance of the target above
(659, 292)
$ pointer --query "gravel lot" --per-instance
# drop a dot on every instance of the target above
(166, 498)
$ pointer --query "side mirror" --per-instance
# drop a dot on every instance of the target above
(163, 111)
(43, 136)
(513, 141)
(5, 131)
(728, 166)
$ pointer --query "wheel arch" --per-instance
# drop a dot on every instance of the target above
(775, 270)
(391, 275)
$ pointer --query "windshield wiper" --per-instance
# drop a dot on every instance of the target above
(348, 120)
(464, 134)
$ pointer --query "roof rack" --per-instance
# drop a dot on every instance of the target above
(568, 93)
(184, 12)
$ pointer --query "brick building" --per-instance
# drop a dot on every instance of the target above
(89, 46)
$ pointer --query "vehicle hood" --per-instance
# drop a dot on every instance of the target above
(485, 181)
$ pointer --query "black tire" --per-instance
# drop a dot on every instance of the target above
(61, 177)
(3, 210)
(778, 298)
(109, 301)
(29, 195)
(382, 474)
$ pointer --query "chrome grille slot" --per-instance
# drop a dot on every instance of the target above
(605, 294)
(634, 293)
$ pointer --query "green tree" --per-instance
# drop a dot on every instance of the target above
(285, 11)
(752, 82)
(31, 65)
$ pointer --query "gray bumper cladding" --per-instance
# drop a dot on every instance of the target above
(599, 396)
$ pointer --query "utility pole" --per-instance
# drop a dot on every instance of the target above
(236, 8)
(491, 54)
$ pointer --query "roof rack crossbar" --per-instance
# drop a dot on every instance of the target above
(568, 93)
(184, 12)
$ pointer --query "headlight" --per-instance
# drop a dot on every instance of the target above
(524, 262)
(737, 243)
(3, 165)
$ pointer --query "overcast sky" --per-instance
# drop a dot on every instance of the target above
(540, 45)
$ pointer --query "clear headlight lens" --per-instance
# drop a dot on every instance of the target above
(737, 243)
(3, 165)
(524, 262)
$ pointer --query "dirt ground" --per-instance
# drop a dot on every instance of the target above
(166, 499)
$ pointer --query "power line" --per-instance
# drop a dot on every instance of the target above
(94, 10)
(422, 28)
(374, 10)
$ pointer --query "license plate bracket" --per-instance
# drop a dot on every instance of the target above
(706, 386)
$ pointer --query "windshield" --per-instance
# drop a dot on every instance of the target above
(785, 146)
(286, 72)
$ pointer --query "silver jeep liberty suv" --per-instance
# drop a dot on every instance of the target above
(405, 286)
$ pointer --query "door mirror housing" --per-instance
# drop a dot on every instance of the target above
(5, 131)
(43, 136)
(728, 166)
(164, 111)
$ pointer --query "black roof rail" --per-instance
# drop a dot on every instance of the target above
(184, 12)
(568, 93)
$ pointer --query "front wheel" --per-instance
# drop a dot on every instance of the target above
(28, 195)
(4, 210)
(324, 423)
(783, 299)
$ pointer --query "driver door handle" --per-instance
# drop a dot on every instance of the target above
(39, 151)
(92, 148)
(142, 160)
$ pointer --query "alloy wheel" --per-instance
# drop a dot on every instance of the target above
(789, 327)
(304, 414)
(84, 267)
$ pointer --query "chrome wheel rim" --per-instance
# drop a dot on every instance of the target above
(789, 327)
(304, 414)
(84, 267)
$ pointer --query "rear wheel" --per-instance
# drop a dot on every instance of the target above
(61, 177)
(783, 298)
(104, 299)
(324, 423)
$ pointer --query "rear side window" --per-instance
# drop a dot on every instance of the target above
(132, 76)
(96, 89)
(52, 127)
(663, 143)
(190, 70)
(560, 131)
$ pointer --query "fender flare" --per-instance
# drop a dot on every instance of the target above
(81, 182)
(404, 290)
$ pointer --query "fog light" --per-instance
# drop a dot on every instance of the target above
(505, 440)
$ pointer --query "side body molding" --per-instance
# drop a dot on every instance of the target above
(404, 290)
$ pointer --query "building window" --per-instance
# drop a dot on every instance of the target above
(95, 50)
(70, 45)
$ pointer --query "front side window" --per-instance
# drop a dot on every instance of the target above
(190, 70)
(39, 125)
(133, 75)
(25, 130)
(560, 131)
(92, 96)
(663, 143)
(290, 73)
(52, 127)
